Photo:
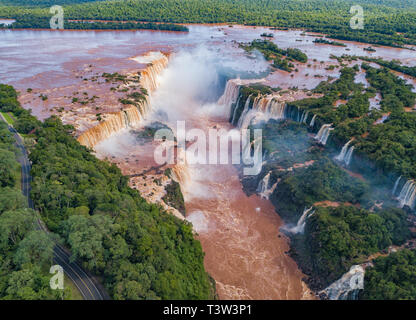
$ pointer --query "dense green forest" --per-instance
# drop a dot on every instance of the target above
(392, 277)
(337, 238)
(25, 252)
(281, 58)
(354, 225)
(140, 251)
(43, 23)
(386, 22)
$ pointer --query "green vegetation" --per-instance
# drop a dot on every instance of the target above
(336, 238)
(140, 251)
(319, 182)
(390, 22)
(392, 277)
(174, 196)
(332, 43)
(25, 253)
(272, 53)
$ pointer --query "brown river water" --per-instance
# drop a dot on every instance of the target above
(244, 250)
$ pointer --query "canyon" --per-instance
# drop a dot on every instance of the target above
(195, 78)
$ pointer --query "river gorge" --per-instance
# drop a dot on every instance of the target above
(113, 86)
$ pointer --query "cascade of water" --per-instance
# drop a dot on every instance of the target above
(230, 94)
(245, 111)
(348, 286)
(305, 117)
(407, 195)
(263, 188)
(312, 121)
(348, 156)
(323, 133)
(396, 184)
(300, 226)
(346, 153)
(130, 116)
(235, 110)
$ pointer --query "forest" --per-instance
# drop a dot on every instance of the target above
(392, 277)
(139, 250)
(25, 252)
(336, 238)
(390, 22)
(348, 224)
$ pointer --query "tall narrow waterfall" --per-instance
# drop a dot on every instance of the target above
(132, 115)
(396, 184)
(346, 153)
(263, 188)
(347, 287)
(323, 134)
(311, 124)
(300, 226)
(407, 195)
(304, 116)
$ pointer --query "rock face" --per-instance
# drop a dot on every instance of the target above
(347, 287)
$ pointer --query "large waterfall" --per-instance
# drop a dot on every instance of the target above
(132, 115)
(300, 226)
(347, 287)
(346, 153)
(407, 195)
(263, 188)
(323, 133)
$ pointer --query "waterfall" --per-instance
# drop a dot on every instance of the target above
(323, 134)
(347, 287)
(312, 121)
(180, 173)
(245, 111)
(407, 195)
(304, 117)
(130, 116)
(231, 92)
(396, 184)
(264, 108)
(113, 123)
(263, 188)
(300, 226)
(346, 153)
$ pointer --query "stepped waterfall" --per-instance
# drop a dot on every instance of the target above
(130, 116)
(323, 133)
(346, 153)
(263, 188)
(300, 226)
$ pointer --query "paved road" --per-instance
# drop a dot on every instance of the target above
(89, 288)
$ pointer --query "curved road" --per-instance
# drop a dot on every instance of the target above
(89, 288)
